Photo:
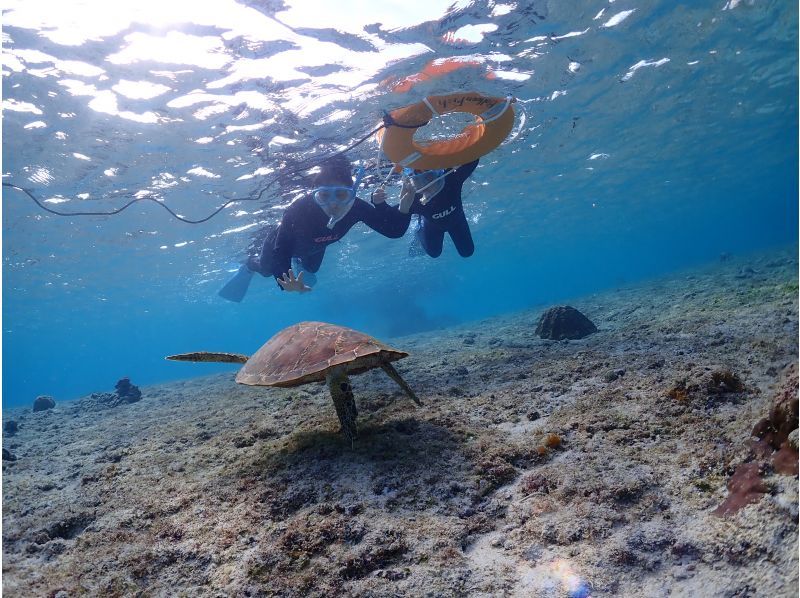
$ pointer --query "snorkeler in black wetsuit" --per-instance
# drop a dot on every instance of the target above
(313, 222)
(304, 234)
(437, 202)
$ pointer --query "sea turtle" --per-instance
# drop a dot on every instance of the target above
(313, 352)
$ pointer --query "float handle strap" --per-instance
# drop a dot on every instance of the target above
(409, 159)
(427, 102)
(494, 113)
(389, 121)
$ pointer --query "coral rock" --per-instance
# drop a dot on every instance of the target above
(793, 440)
(552, 441)
(775, 429)
(785, 460)
(10, 427)
(783, 415)
(43, 403)
(744, 487)
(127, 392)
(711, 384)
(564, 322)
(724, 381)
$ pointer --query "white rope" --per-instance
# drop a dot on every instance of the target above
(488, 116)
(523, 118)
(429, 105)
(410, 159)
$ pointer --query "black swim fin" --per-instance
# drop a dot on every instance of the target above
(236, 288)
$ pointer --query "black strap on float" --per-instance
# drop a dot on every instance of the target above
(389, 121)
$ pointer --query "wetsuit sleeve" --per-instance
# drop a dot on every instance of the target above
(462, 173)
(284, 246)
(387, 220)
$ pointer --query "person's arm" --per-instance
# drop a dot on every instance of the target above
(462, 173)
(283, 247)
(285, 243)
(378, 197)
(386, 220)
(290, 283)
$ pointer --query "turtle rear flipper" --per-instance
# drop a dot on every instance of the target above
(209, 356)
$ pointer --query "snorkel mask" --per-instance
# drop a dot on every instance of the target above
(336, 201)
(428, 183)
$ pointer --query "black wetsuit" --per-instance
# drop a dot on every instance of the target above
(303, 233)
(444, 213)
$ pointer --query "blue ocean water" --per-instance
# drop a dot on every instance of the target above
(650, 136)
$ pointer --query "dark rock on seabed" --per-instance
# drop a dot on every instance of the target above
(564, 322)
(43, 403)
(124, 394)
(127, 392)
(556, 469)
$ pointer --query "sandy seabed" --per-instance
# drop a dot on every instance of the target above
(535, 468)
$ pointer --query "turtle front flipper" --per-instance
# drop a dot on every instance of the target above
(392, 373)
(209, 356)
(342, 395)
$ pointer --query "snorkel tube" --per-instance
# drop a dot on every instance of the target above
(360, 172)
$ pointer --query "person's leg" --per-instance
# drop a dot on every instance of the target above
(236, 287)
(431, 237)
(263, 262)
(461, 235)
(253, 263)
(415, 247)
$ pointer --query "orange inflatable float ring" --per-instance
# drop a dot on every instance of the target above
(494, 119)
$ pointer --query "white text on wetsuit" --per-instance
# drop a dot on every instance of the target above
(447, 212)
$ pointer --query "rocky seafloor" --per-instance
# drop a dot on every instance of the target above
(535, 468)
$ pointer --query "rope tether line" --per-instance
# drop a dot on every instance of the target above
(212, 214)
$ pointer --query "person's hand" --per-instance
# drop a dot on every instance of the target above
(406, 196)
(378, 196)
(289, 283)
